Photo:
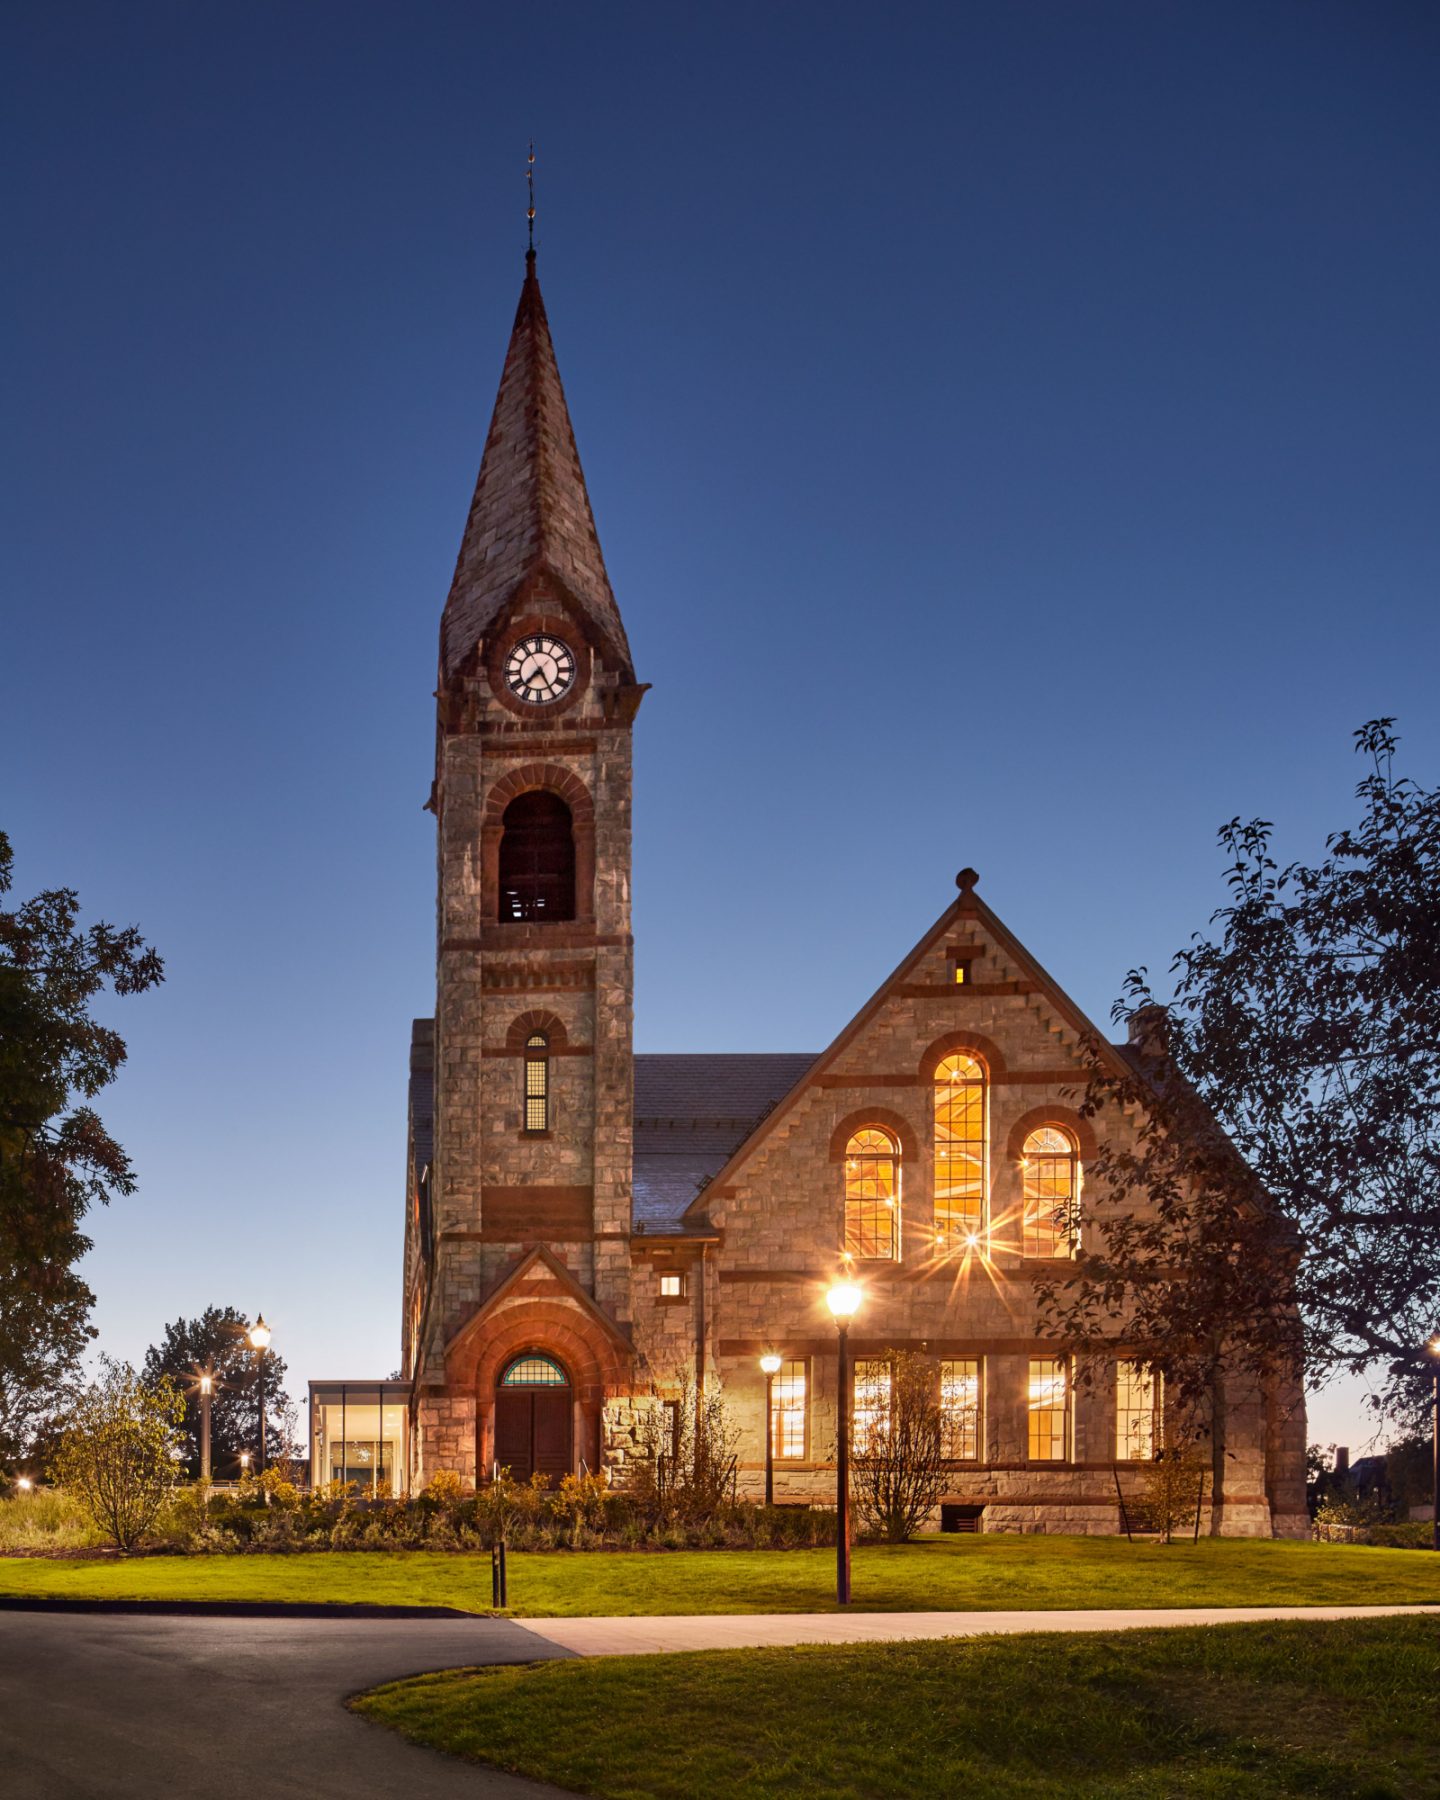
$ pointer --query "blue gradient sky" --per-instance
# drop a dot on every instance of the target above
(1012, 433)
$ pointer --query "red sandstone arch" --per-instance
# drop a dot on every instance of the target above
(530, 1022)
(553, 779)
(962, 1042)
(882, 1117)
(1065, 1118)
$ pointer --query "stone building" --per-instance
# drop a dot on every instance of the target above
(586, 1227)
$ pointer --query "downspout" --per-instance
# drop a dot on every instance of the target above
(700, 1333)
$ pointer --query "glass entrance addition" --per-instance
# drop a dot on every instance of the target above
(534, 1418)
(358, 1435)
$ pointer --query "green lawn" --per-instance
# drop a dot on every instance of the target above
(1346, 1711)
(934, 1574)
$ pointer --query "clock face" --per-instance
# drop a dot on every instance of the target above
(540, 669)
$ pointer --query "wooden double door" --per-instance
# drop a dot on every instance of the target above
(534, 1431)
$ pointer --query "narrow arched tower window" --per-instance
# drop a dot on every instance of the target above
(961, 1154)
(537, 1082)
(1050, 1174)
(537, 859)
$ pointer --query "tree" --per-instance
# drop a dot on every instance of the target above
(1284, 1195)
(119, 1453)
(56, 1158)
(898, 1470)
(217, 1341)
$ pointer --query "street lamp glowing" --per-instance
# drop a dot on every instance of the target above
(207, 1384)
(770, 1363)
(844, 1299)
(259, 1334)
(24, 1483)
(1434, 1345)
(245, 1459)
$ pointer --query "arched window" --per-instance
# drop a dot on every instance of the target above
(872, 1195)
(537, 1082)
(961, 1159)
(537, 858)
(1050, 1176)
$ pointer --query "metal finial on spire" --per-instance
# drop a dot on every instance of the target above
(530, 192)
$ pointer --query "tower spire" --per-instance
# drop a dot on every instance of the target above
(530, 516)
(530, 203)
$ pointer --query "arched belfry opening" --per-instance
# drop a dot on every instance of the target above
(537, 859)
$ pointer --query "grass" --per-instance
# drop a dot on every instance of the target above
(1342, 1711)
(962, 1573)
(44, 1519)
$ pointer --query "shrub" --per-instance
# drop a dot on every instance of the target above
(898, 1475)
(120, 1452)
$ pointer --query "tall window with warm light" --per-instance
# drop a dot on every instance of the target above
(1049, 1409)
(960, 1152)
(872, 1195)
(871, 1411)
(1139, 1394)
(960, 1408)
(788, 1391)
(1050, 1179)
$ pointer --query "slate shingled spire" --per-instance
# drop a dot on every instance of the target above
(531, 513)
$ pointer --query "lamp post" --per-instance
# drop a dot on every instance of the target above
(1434, 1348)
(244, 1463)
(207, 1389)
(770, 1363)
(844, 1301)
(259, 1335)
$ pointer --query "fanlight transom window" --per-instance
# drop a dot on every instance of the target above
(1050, 1173)
(961, 1160)
(872, 1194)
(534, 1370)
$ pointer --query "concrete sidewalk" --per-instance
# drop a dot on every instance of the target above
(737, 1631)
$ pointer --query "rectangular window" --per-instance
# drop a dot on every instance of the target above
(672, 1287)
(1138, 1395)
(670, 1445)
(1049, 1407)
(961, 968)
(788, 1411)
(960, 1408)
(871, 1413)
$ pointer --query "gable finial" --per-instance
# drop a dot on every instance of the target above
(530, 203)
(966, 880)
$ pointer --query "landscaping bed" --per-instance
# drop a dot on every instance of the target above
(1345, 1710)
(955, 1573)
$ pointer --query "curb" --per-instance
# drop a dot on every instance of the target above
(231, 1609)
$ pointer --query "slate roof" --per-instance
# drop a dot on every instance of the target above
(531, 511)
(691, 1113)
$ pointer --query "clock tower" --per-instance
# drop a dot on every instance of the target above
(518, 1247)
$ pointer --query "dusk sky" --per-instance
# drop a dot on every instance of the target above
(1012, 434)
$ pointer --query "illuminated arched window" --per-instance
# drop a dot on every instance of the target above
(872, 1194)
(1050, 1173)
(537, 859)
(961, 1159)
(537, 1082)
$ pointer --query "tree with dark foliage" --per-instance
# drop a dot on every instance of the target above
(1284, 1192)
(216, 1341)
(56, 1158)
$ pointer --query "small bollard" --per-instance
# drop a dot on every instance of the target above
(498, 1597)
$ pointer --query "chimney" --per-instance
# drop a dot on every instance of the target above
(1342, 1459)
(1149, 1030)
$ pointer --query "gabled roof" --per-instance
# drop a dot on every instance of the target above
(970, 907)
(690, 1113)
(531, 513)
(515, 1274)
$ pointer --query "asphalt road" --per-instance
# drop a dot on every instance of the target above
(95, 1706)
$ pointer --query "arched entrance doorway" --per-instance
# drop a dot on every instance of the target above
(534, 1417)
